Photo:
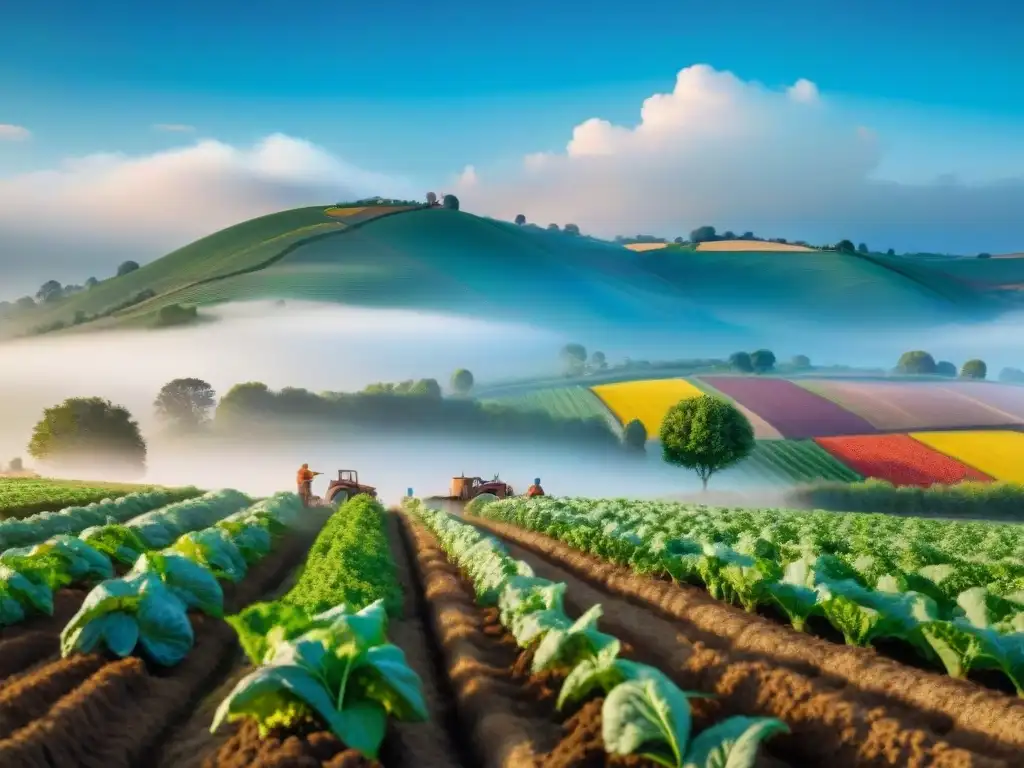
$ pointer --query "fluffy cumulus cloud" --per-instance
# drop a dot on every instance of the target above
(83, 218)
(719, 150)
(9, 132)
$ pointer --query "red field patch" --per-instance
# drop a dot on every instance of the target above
(899, 459)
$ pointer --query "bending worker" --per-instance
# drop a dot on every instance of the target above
(304, 478)
(535, 489)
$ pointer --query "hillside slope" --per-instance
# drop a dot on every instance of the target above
(437, 259)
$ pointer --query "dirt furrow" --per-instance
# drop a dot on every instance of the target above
(831, 723)
(508, 714)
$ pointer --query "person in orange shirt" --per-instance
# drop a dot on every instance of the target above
(304, 479)
(535, 489)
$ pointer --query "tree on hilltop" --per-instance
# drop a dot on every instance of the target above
(916, 362)
(801, 362)
(945, 368)
(703, 234)
(126, 267)
(598, 361)
(462, 381)
(974, 369)
(863, 248)
(1012, 375)
(705, 434)
(571, 229)
(49, 291)
(451, 202)
(89, 431)
(553, 227)
(574, 357)
(740, 361)
(25, 302)
(520, 219)
(185, 404)
(984, 255)
(845, 246)
(431, 198)
(763, 360)
(890, 252)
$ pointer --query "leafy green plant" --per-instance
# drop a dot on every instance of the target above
(341, 670)
(122, 613)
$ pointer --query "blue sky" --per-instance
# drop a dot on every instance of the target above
(912, 138)
(498, 80)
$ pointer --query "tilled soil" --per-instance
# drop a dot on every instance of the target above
(508, 715)
(832, 723)
(90, 712)
(425, 745)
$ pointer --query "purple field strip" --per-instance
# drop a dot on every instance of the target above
(912, 405)
(1005, 398)
(794, 411)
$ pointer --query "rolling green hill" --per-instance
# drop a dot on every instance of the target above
(437, 259)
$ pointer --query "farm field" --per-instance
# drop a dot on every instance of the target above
(787, 462)
(900, 460)
(999, 454)
(897, 407)
(562, 402)
(257, 632)
(22, 496)
(788, 604)
(647, 400)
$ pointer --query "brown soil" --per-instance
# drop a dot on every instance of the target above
(117, 716)
(508, 715)
(832, 723)
(306, 747)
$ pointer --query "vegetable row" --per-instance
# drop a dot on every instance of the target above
(21, 496)
(147, 609)
(19, 532)
(954, 591)
(643, 711)
(332, 665)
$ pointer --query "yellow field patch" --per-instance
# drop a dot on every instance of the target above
(647, 401)
(999, 453)
(751, 245)
(342, 212)
(641, 247)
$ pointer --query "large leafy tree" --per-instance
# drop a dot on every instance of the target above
(763, 360)
(916, 361)
(974, 369)
(462, 381)
(574, 356)
(185, 404)
(705, 434)
(89, 431)
(740, 361)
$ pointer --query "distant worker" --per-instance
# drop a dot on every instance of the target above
(304, 478)
(535, 489)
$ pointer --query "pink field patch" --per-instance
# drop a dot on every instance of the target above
(908, 406)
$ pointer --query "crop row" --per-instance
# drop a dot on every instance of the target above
(321, 653)
(17, 532)
(954, 592)
(22, 496)
(642, 711)
(30, 575)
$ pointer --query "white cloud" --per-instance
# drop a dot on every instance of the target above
(803, 90)
(174, 128)
(468, 177)
(718, 150)
(9, 132)
(81, 218)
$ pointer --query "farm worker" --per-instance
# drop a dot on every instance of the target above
(535, 489)
(304, 478)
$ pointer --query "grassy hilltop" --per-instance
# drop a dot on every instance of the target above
(413, 257)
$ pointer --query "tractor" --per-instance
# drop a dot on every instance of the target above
(464, 489)
(346, 486)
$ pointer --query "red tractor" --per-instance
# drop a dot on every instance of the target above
(464, 489)
(346, 486)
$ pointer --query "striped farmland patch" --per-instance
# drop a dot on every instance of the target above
(899, 459)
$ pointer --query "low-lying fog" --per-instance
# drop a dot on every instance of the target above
(332, 348)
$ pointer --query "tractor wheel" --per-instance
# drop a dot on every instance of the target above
(340, 497)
